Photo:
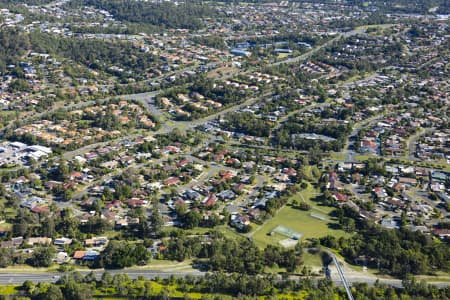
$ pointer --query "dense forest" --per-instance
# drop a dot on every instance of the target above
(164, 14)
(95, 54)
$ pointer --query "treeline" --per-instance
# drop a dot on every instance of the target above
(164, 14)
(217, 286)
(396, 252)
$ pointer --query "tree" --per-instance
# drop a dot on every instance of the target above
(181, 209)
(22, 221)
(48, 227)
(120, 254)
(28, 286)
(62, 172)
(42, 257)
(96, 225)
(52, 293)
(304, 206)
(6, 257)
(106, 279)
(73, 290)
(156, 221)
(192, 219)
(348, 224)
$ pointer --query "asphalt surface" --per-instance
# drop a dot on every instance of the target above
(413, 141)
(18, 278)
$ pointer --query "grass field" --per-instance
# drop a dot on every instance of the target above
(312, 260)
(363, 158)
(27, 269)
(309, 171)
(8, 289)
(225, 229)
(337, 156)
(298, 220)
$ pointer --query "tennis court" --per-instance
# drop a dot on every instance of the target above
(290, 233)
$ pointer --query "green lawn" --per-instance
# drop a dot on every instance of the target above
(309, 173)
(10, 212)
(337, 156)
(26, 269)
(8, 289)
(298, 220)
(283, 55)
(363, 158)
(312, 260)
(225, 229)
(439, 277)
(307, 195)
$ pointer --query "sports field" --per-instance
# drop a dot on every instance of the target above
(307, 223)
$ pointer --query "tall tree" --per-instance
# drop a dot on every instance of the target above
(156, 221)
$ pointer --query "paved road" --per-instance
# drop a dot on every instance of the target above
(349, 154)
(353, 276)
(347, 151)
(413, 140)
(18, 278)
(147, 100)
(422, 196)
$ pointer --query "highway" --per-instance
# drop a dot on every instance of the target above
(352, 277)
(19, 278)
